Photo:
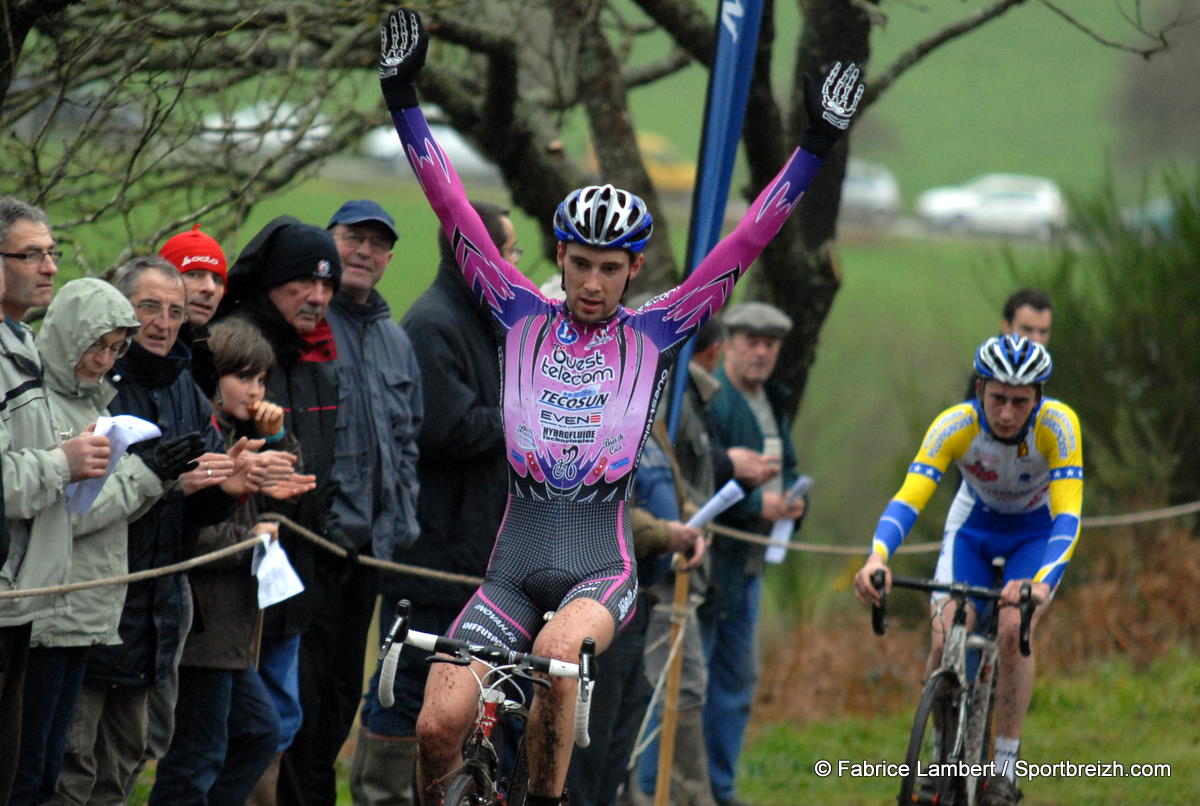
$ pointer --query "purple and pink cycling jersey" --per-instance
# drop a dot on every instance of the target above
(579, 399)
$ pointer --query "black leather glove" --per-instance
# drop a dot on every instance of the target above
(830, 110)
(171, 457)
(402, 46)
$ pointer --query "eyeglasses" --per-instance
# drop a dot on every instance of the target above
(118, 349)
(355, 239)
(35, 255)
(154, 309)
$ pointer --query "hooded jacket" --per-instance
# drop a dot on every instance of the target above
(159, 389)
(35, 478)
(304, 382)
(82, 312)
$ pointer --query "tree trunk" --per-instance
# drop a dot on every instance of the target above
(799, 272)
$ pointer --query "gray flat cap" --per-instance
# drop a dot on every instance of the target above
(758, 318)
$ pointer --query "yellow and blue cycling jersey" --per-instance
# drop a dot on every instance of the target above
(1012, 493)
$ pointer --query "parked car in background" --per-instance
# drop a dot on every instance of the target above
(266, 127)
(870, 192)
(1005, 204)
(382, 143)
(1156, 214)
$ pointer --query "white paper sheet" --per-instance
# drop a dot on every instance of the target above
(725, 497)
(781, 532)
(122, 431)
(277, 580)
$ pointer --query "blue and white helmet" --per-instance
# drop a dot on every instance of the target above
(605, 217)
(1014, 360)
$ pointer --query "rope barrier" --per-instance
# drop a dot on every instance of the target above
(137, 576)
(383, 565)
(204, 559)
(816, 548)
(1089, 522)
(1146, 516)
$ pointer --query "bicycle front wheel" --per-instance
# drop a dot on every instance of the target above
(468, 788)
(930, 744)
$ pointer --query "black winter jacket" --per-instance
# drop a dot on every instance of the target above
(304, 383)
(464, 481)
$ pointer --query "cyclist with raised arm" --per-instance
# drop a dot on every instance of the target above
(580, 380)
(1021, 459)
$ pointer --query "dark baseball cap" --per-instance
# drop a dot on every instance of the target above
(360, 210)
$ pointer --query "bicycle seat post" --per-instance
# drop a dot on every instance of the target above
(998, 564)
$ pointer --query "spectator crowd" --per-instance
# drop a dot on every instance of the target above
(282, 382)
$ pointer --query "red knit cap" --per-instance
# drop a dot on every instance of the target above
(195, 251)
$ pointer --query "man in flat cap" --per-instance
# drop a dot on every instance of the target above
(747, 412)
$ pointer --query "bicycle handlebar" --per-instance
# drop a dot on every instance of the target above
(960, 591)
(494, 656)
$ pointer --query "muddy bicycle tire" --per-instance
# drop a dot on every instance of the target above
(469, 788)
(929, 743)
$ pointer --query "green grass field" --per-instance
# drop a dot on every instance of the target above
(1109, 712)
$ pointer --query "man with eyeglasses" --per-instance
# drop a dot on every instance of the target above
(30, 263)
(379, 414)
(463, 480)
(37, 465)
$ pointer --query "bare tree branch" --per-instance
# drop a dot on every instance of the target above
(881, 82)
(649, 73)
(688, 24)
(1159, 37)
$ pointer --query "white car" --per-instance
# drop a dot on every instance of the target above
(1008, 204)
(382, 143)
(266, 127)
(870, 192)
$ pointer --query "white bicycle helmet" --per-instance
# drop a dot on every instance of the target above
(605, 217)
(1014, 360)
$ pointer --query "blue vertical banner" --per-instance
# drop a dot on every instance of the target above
(724, 113)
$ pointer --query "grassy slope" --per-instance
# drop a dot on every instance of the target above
(1110, 712)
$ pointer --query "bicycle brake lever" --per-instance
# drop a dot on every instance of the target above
(399, 630)
(879, 611)
(1027, 607)
(525, 674)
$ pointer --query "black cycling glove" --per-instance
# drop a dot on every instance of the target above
(830, 110)
(171, 457)
(402, 46)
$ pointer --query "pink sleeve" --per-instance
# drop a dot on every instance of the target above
(507, 293)
(673, 316)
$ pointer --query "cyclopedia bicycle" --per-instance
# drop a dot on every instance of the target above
(477, 782)
(950, 742)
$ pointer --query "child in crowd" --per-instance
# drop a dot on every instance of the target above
(226, 726)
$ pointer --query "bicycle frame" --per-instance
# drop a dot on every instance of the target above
(974, 697)
(971, 742)
(497, 680)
